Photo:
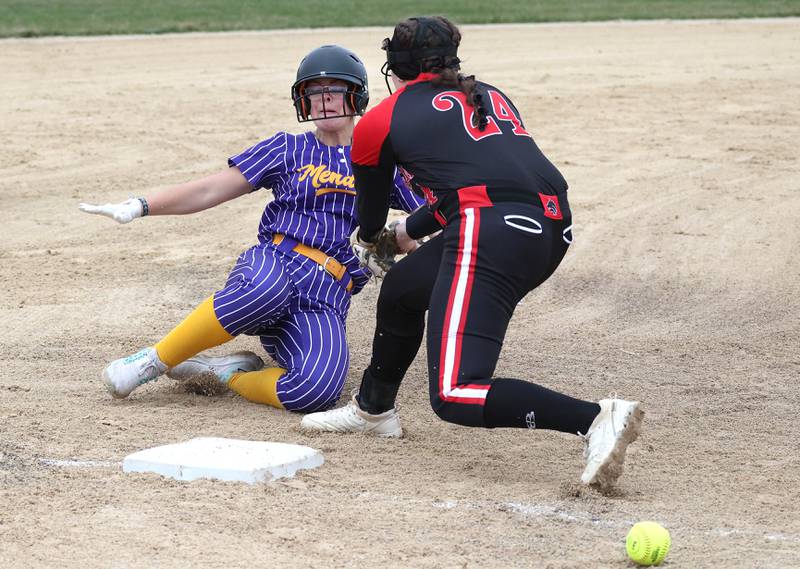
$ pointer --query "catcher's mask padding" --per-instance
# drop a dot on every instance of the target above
(332, 62)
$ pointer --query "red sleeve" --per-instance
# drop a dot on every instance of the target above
(371, 131)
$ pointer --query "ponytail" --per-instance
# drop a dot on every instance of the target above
(449, 77)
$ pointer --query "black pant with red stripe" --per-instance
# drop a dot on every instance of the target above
(470, 279)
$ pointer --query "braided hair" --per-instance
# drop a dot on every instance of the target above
(432, 33)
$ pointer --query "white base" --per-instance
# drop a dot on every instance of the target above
(224, 459)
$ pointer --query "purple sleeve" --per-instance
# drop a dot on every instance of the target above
(263, 163)
(402, 197)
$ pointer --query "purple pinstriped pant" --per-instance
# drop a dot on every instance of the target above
(299, 312)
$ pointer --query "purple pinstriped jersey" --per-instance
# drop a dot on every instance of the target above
(315, 198)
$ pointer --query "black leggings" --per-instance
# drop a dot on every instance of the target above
(470, 279)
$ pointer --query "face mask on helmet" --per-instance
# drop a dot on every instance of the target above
(352, 102)
(331, 62)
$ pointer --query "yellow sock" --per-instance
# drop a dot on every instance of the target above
(199, 331)
(258, 386)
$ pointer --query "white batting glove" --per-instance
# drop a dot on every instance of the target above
(124, 212)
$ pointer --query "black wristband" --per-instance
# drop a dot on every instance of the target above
(145, 207)
(371, 241)
(422, 223)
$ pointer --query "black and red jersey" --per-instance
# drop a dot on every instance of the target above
(428, 131)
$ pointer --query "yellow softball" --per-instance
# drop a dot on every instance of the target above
(648, 543)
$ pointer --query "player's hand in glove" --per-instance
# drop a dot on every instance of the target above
(404, 242)
(124, 212)
(380, 255)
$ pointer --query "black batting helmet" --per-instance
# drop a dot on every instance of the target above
(332, 62)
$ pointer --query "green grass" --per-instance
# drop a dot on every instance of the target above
(90, 17)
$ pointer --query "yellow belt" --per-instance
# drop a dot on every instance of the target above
(333, 267)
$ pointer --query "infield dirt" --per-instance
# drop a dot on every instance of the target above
(679, 141)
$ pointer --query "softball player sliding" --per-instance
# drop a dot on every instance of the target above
(293, 288)
(506, 224)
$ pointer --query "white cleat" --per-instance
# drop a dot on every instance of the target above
(124, 375)
(351, 419)
(617, 426)
(223, 367)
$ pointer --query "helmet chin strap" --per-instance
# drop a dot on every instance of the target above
(386, 71)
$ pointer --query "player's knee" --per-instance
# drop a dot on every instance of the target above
(249, 305)
(312, 400)
(441, 407)
(307, 393)
(446, 408)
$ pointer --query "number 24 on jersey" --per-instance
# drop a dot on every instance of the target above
(501, 108)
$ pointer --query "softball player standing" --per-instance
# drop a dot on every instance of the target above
(293, 288)
(506, 224)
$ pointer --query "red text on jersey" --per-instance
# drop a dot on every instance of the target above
(444, 102)
(501, 109)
